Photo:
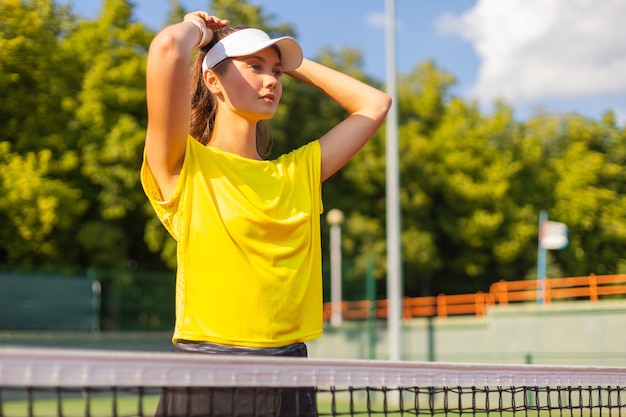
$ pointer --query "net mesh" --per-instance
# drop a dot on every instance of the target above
(59, 382)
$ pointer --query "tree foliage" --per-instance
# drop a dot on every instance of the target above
(73, 121)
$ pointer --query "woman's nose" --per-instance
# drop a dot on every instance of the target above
(270, 81)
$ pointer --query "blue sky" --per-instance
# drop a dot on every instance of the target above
(552, 55)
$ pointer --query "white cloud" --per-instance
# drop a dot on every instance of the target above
(540, 49)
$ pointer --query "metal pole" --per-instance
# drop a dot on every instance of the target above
(431, 339)
(542, 255)
(335, 218)
(370, 290)
(394, 277)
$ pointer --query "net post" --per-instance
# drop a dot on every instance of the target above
(140, 393)
(31, 403)
(87, 393)
(59, 402)
(114, 403)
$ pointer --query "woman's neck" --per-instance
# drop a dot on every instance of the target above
(235, 136)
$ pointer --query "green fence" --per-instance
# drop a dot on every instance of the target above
(38, 301)
(133, 300)
(87, 300)
(107, 300)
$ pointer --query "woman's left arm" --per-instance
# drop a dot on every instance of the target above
(366, 105)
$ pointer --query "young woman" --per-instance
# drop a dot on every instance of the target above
(247, 229)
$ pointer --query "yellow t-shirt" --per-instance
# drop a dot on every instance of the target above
(249, 250)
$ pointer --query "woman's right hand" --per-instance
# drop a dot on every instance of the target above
(207, 24)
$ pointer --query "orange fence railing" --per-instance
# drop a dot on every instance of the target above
(590, 288)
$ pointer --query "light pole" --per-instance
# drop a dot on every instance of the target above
(334, 219)
(394, 249)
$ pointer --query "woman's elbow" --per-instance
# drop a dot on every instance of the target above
(165, 46)
(162, 43)
(386, 102)
(383, 104)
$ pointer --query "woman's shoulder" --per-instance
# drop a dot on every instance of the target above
(310, 150)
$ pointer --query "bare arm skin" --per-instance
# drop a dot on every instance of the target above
(168, 96)
(366, 105)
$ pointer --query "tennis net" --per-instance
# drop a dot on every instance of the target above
(67, 382)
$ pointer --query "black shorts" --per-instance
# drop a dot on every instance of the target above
(237, 401)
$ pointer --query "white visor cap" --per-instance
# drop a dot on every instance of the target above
(248, 41)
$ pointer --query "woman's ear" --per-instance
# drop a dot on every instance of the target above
(212, 82)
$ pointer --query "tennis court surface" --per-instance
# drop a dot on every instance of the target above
(68, 382)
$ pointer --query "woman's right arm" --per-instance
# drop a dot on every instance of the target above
(168, 96)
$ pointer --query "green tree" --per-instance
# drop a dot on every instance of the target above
(589, 195)
(110, 126)
(36, 75)
(75, 101)
(37, 210)
(461, 230)
(466, 170)
(38, 207)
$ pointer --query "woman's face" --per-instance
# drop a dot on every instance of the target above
(252, 85)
